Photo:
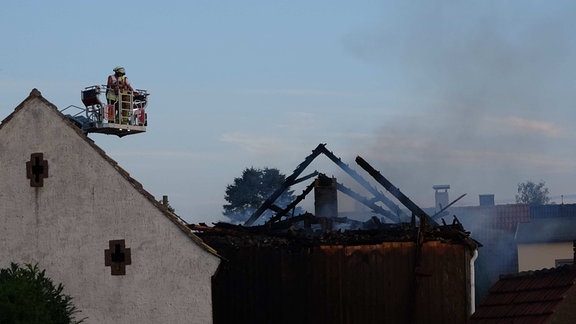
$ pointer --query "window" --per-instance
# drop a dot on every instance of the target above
(562, 262)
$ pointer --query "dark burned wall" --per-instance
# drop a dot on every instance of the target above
(344, 284)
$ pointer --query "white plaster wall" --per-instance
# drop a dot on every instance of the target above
(65, 227)
(542, 256)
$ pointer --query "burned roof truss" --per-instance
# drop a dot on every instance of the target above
(394, 212)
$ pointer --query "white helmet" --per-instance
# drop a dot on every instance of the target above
(119, 69)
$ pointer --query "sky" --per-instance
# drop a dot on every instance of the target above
(479, 95)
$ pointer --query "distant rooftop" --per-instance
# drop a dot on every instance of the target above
(545, 230)
(544, 296)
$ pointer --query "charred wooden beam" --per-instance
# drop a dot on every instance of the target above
(396, 192)
(447, 206)
(377, 194)
(293, 204)
(290, 180)
(367, 202)
(306, 177)
(275, 208)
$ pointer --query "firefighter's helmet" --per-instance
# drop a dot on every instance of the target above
(119, 69)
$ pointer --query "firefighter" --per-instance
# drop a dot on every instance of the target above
(118, 87)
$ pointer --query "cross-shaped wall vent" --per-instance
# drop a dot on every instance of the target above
(37, 169)
(117, 257)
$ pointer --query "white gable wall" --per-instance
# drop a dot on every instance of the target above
(65, 227)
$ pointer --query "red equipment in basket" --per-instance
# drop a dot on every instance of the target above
(110, 113)
(139, 117)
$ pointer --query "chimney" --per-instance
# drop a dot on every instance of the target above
(486, 200)
(325, 197)
(441, 196)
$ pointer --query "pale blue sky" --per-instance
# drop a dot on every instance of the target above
(475, 94)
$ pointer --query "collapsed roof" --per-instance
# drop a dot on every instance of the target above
(284, 229)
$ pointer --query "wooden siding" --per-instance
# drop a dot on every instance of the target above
(376, 283)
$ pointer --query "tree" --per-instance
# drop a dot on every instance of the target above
(28, 296)
(249, 192)
(532, 194)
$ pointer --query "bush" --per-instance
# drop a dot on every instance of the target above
(28, 296)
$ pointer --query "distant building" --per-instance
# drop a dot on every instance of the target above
(546, 243)
(517, 237)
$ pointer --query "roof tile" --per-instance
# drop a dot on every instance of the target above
(526, 297)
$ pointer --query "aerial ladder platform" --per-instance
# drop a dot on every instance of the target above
(127, 116)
